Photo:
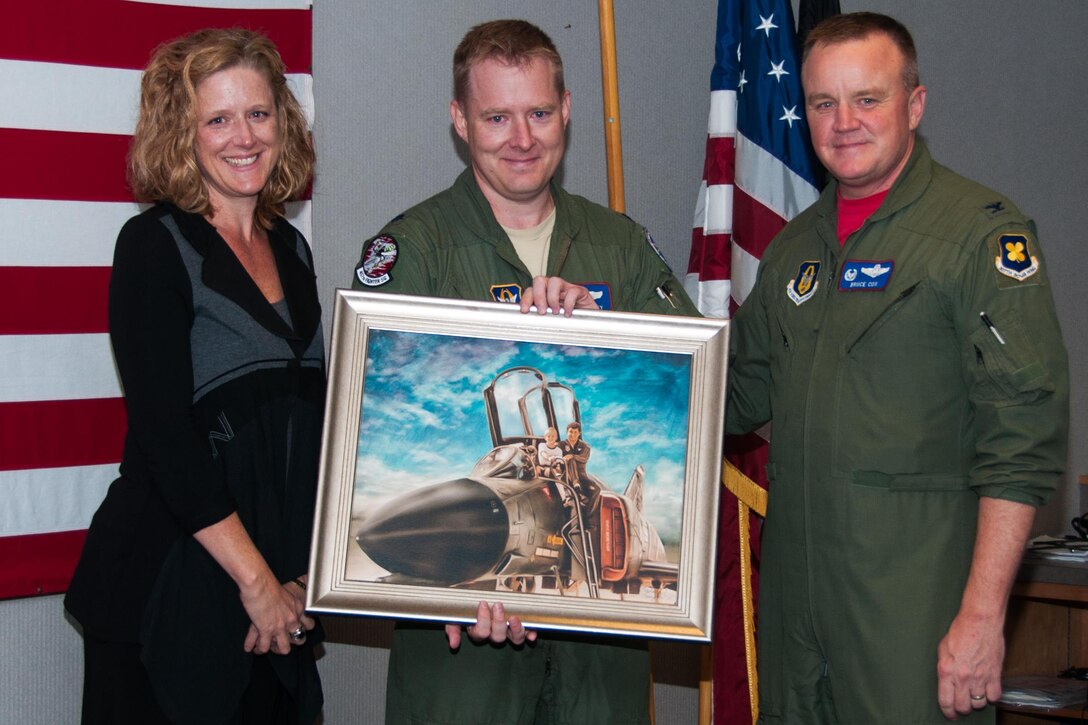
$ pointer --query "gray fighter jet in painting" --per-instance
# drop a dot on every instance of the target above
(512, 523)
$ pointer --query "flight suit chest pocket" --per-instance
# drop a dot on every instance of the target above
(897, 307)
(476, 272)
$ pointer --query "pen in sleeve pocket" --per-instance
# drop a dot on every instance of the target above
(986, 321)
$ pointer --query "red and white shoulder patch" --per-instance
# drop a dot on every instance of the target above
(379, 256)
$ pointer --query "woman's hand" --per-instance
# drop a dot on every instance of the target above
(274, 611)
(279, 631)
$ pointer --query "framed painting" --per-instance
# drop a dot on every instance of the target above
(567, 467)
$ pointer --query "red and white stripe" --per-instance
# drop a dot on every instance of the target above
(69, 89)
(709, 278)
(747, 195)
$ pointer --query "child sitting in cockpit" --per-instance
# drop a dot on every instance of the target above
(549, 456)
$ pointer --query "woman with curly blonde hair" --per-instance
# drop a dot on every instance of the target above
(190, 589)
(162, 162)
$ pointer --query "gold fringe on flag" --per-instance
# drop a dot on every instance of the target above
(750, 497)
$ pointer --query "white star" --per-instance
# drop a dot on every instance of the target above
(790, 115)
(766, 24)
(778, 71)
(743, 80)
(738, 52)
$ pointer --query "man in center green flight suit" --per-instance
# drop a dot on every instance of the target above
(506, 232)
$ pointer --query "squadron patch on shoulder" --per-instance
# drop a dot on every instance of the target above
(1014, 257)
(804, 285)
(379, 256)
(601, 292)
(863, 275)
(506, 293)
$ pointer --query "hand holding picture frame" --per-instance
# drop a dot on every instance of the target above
(567, 467)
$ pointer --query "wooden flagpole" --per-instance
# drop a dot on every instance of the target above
(613, 151)
(613, 146)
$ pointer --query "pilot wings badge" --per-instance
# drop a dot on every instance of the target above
(804, 285)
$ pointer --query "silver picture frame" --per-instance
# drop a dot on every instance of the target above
(436, 491)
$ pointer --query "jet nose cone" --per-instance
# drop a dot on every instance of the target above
(447, 533)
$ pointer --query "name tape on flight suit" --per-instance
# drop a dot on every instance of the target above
(600, 291)
(865, 275)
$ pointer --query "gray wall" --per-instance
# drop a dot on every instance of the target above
(1007, 105)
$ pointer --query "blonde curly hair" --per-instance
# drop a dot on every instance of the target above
(162, 158)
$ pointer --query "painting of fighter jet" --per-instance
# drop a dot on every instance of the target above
(567, 467)
(511, 523)
(488, 516)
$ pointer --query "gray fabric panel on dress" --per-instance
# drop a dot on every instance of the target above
(226, 341)
(281, 309)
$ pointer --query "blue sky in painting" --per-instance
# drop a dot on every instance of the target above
(424, 419)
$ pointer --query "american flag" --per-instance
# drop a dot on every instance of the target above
(69, 91)
(759, 174)
(759, 171)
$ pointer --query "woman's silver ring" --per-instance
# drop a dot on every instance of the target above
(298, 635)
(978, 698)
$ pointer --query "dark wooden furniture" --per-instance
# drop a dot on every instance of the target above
(1046, 632)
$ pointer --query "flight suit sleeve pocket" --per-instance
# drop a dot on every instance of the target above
(910, 481)
(1011, 370)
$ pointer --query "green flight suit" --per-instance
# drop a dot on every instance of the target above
(452, 246)
(894, 408)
